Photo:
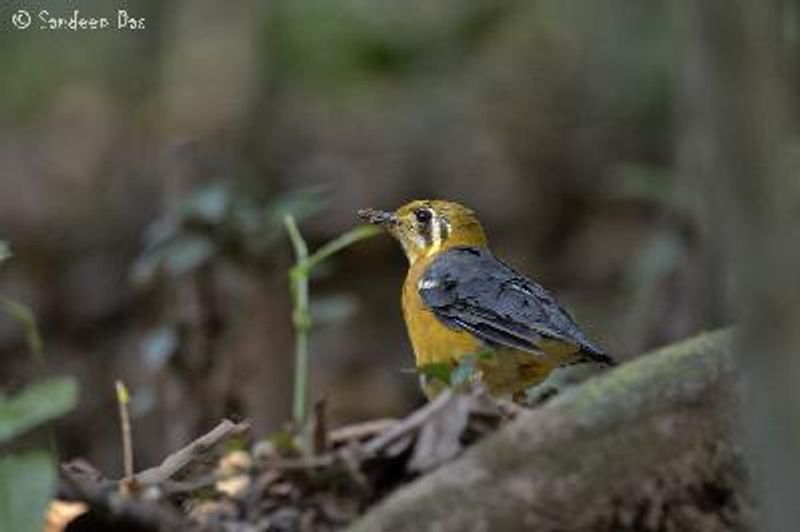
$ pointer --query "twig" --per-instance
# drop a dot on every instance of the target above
(350, 459)
(199, 448)
(408, 425)
(123, 398)
(113, 508)
(299, 464)
(320, 428)
(171, 488)
(360, 431)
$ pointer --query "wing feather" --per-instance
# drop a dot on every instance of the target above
(469, 289)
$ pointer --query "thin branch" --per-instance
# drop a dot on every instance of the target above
(408, 425)
(148, 515)
(319, 429)
(349, 238)
(196, 450)
(300, 246)
(123, 399)
(360, 431)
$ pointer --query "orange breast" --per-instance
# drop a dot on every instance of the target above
(433, 342)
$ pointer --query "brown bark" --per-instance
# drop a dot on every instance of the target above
(644, 447)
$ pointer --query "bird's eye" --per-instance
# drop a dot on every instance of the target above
(423, 216)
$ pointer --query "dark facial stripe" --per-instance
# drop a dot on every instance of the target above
(444, 228)
(426, 230)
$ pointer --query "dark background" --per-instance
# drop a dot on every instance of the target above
(144, 176)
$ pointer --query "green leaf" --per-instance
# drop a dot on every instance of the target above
(187, 253)
(285, 443)
(27, 481)
(439, 371)
(159, 346)
(36, 404)
(209, 205)
(5, 251)
(175, 254)
(24, 315)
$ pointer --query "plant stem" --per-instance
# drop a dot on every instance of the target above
(301, 315)
(342, 241)
(123, 398)
(301, 318)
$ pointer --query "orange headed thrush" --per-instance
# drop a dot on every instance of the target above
(460, 300)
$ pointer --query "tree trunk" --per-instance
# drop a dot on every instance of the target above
(743, 151)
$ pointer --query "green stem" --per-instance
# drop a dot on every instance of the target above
(301, 318)
(339, 243)
(302, 324)
(301, 315)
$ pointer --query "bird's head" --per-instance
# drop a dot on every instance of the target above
(426, 227)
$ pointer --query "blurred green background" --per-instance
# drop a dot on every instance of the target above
(144, 176)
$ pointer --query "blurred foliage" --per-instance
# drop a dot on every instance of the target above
(5, 251)
(348, 43)
(158, 346)
(219, 222)
(38, 403)
(638, 182)
(24, 315)
(27, 480)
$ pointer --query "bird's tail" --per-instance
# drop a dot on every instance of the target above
(596, 357)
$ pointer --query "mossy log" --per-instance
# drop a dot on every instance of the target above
(650, 445)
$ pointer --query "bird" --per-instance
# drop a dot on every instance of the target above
(461, 302)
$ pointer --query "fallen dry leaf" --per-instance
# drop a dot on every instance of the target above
(61, 513)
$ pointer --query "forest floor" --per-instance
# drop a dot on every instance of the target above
(651, 445)
(313, 481)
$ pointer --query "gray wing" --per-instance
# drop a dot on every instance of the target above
(468, 288)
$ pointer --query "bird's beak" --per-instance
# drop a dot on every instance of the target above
(382, 218)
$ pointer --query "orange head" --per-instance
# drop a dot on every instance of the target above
(427, 227)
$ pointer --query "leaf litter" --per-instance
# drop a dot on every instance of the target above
(316, 480)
